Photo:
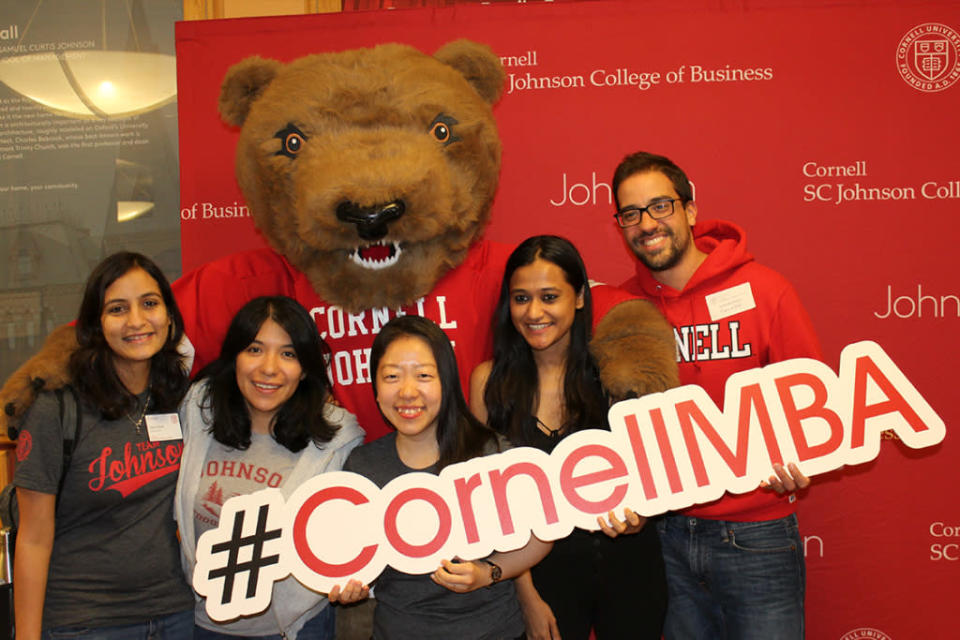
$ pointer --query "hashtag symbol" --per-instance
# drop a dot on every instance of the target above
(257, 560)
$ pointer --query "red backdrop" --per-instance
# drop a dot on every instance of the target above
(761, 103)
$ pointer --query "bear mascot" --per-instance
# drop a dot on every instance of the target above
(371, 174)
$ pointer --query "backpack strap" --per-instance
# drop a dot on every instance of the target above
(70, 415)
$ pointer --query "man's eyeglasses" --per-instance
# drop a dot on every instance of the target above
(632, 215)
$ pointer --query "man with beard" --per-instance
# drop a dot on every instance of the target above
(735, 566)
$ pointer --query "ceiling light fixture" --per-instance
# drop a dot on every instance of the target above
(93, 84)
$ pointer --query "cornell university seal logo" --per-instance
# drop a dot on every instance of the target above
(928, 57)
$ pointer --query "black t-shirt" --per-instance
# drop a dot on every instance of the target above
(115, 556)
(413, 606)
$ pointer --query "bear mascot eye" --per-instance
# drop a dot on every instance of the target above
(442, 129)
(441, 132)
(291, 141)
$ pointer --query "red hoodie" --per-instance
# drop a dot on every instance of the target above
(741, 334)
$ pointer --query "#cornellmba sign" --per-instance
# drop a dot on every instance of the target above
(663, 452)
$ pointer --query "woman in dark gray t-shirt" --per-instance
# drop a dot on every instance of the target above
(99, 555)
(417, 389)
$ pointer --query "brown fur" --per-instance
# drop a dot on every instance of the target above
(49, 365)
(635, 351)
(366, 114)
(243, 85)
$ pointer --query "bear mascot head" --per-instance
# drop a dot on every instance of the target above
(373, 170)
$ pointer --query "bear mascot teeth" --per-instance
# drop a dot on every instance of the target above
(371, 174)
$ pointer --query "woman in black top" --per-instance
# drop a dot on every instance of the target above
(542, 385)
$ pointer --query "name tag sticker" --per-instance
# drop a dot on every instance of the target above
(164, 426)
(729, 302)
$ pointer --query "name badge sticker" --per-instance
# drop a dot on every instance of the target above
(164, 426)
(729, 302)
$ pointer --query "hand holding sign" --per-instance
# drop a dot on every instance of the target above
(787, 479)
(613, 527)
(353, 591)
(462, 576)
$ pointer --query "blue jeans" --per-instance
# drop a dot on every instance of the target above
(320, 627)
(733, 580)
(174, 626)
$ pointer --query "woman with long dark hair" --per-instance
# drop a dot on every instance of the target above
(261, 416)
(417, 388)
(541, 386)
(81, 526)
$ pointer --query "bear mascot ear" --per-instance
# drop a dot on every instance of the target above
(477, 63)
(243, 84)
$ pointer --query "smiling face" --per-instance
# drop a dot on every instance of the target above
(408, 389)
(268, 373)
(665, 244)
(543, 305)
(134, 319)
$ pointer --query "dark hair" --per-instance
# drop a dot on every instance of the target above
(460, 435)
(300, 419)
(91, 366)
(642, 162)
(512, 388)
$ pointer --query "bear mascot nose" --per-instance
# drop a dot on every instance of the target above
(371, 221)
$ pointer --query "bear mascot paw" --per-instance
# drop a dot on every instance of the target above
(46, 370)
